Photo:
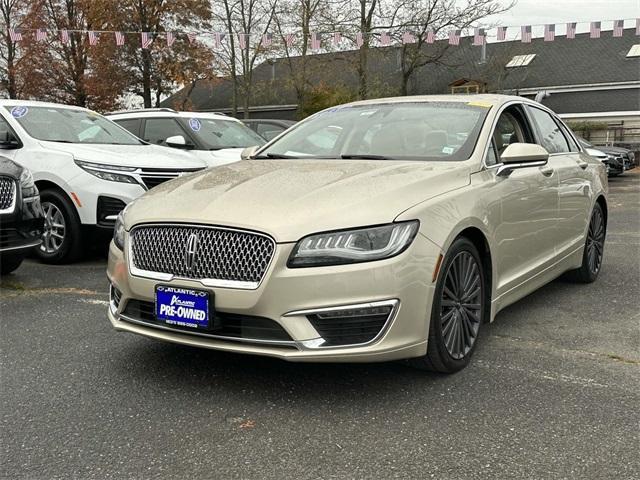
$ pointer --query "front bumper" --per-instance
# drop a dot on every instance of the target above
(286, 296)
(21, 229)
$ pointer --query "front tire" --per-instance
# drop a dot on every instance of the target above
(10, 263)
(593, 249)
(458, 310)
(61, 240)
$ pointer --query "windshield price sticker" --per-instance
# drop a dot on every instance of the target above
(19, 112)
(195, 124)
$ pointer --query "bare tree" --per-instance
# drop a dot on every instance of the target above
(12, 15)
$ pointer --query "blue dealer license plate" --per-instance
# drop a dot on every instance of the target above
(182, 307)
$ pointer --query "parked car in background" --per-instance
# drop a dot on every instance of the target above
(627, 155)
(268, 128)
(21, 216)
(212, 137)
(386, 229)
(86, 167)
(614, 160)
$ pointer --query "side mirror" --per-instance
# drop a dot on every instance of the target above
(177, 141)
(249, 152)
(522, 155)
(8, 141)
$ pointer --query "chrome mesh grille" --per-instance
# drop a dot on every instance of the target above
(7, 192)
(228, 255)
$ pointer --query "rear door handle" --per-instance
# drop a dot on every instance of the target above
(546, 171)
(583, 165)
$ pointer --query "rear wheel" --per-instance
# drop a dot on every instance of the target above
(61, 241)
(458, 309)
(9, 263)
(593, 249)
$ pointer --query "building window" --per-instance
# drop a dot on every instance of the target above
(521, 60)
(634, 51)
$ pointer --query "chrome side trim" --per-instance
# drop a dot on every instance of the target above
(317, 343)
(22, 247)
(207, 282)
(14, 195)
(274, 343)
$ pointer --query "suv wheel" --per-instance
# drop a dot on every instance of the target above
(61, 238)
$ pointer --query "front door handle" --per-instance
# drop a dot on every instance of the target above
(582, 164)
(546, 170)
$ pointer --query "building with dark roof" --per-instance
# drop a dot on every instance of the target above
(585, 80)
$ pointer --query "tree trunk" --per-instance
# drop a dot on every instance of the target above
(362, 72)
(146, 78)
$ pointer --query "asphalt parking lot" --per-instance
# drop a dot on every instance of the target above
(552, 392)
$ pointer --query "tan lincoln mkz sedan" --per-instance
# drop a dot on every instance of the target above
(373, 231)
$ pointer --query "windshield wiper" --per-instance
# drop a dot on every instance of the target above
(60, 141)
(363, 157)
(275, 155)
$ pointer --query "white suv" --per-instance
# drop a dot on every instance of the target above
(215, 138)
(86, 167)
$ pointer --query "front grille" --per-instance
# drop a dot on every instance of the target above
(233, 326)
(107, 209)
(220, 254)
(350, 326)
(152, 177)
(7, 193)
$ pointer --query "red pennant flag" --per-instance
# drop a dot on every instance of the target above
(315, 41)
(119, 38)
(191, 36)
(502, 33)
(337, 39)
(41, 35)
(571, 30)
(15, 35)
(146, 38)
(359, 39)
(594, 30)
(479, 37)
(526, 33)
(431, 36)
(64, 36)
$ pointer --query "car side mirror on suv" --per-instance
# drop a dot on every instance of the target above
(8, 141)
(522, 155)
(178, 141)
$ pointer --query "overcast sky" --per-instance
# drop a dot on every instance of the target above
(531, 12)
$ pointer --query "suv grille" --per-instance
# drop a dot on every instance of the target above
(152, 177)
(7, 193)
(220, 254)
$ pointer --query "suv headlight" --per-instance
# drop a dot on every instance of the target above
(108, 172)
(27, 184)
(353, 246)
(118, 231)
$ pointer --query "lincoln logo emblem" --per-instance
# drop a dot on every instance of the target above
(192, 249)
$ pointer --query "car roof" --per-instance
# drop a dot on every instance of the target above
(34, 103)
(166, 112)
(487, 98)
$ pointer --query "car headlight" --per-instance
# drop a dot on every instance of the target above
(108, 172)
(27, 185)
(353, 246)
(118, 231)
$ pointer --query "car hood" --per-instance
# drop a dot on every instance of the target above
(143, 156)
(215, 158)
(289, 199)
(614, 150)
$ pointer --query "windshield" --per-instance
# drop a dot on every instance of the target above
(404, 131)
(70, 126)
(216, 134)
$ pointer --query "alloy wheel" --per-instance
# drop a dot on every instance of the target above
(54, 228)
(461, 305)
(595, 241)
